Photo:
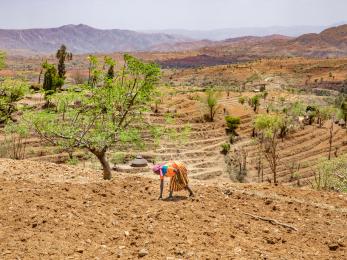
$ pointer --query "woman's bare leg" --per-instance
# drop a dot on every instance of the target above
(191, 194)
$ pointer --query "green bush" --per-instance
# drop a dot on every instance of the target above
(254, 102)
(225, 148)
(118, 158)
(73, 161)
(242, 100)
(331, 174)
(232, 123)
(11, 91)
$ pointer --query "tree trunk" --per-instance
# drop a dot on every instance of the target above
(275, 172)
(101, 155)
(331, 139)
(41, 71)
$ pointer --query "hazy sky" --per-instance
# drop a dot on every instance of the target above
(170, 14)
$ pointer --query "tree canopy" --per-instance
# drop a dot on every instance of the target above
(11, 91)
(2, 59)
(98, 118)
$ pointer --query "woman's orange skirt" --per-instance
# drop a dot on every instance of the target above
(180, 180)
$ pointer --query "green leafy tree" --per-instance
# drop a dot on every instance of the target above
(62, 56)
(2, 59)
(311, 112)
(110, 72)
(51, 80)
(297, 109)
(255, 103)
(93, 72)
(242, 100)
(270, 127)
(232, 123)
(344, 110)
(97, 119)
(211, 102)
(331, 174)
(325, 113)
(11, 91)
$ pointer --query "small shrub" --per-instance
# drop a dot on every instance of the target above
(11, 91)
(232, 123)
(72, 161)
(254, 102)
(225, 148)
(15, 136)
(331, 175)
(211, 102)
(118, 158)
(242, 100)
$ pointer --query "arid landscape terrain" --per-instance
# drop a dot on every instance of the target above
(259, 121)
(68, 212)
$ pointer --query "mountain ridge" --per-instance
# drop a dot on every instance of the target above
(81, 39)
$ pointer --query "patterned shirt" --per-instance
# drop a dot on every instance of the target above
(167, 170)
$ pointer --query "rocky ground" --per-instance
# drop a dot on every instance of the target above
(50, 211)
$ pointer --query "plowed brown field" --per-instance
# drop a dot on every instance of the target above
(50, 211)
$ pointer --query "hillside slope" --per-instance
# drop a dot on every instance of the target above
(331, 42)
(56, 211)
(81, 39)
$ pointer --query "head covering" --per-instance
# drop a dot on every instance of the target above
(157, 167)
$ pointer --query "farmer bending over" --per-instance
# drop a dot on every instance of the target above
(177, 171)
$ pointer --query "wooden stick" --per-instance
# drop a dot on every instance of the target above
(272, 221)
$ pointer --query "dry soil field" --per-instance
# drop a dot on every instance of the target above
(51, 211)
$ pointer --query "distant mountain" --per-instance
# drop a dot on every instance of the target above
(222, 34)
(331, 42)
(85, 39)
(82, 39)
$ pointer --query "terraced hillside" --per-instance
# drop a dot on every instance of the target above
(299, 152)
(201, 152)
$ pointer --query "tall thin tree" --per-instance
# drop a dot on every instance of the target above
(62, 55)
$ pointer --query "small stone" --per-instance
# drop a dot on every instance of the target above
(333, 247)
(266, 230)
(143, 252)
(121, 247)
(268, 202)
(190, 254)
(126, 233)
(179, 252)
(275, 208)
(270, 241)
(79, 250)
(228, 192)
(7, 252)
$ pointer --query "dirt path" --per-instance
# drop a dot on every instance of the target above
(51, 211)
